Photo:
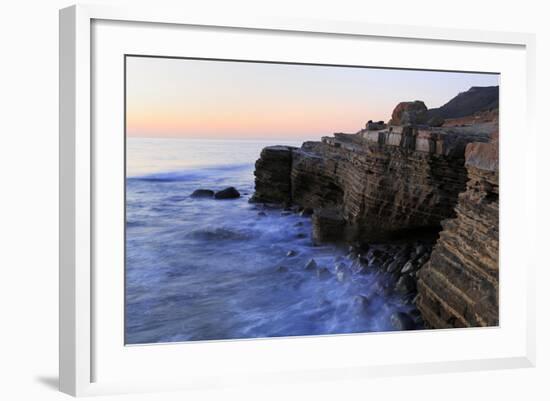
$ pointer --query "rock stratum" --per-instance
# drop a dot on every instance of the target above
(402, 181)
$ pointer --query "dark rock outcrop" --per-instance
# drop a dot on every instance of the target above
(272, 173)
(202, 193)
(458, 286)
(227, 193)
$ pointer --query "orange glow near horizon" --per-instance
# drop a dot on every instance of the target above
(215, 99)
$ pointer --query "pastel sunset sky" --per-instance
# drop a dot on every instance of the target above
(225, 99)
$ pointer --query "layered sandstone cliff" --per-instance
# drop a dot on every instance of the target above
(375, 184)
(458, 286)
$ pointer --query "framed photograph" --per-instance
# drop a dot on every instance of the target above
(271, 201)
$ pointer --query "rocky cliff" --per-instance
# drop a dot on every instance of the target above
(373, 185)
(458, 286)
(403, 181)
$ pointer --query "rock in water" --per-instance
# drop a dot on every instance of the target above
(227, 193)
(402, 321)
(328, 225)
(311, 265)
(408, 268)
(272, 175)
(363, 302)
(202, 193)
(323, 273)
(405, 285)
(291, 253)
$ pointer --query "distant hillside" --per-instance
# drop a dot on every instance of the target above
(474, 100)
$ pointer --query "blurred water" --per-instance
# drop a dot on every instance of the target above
(205, 269)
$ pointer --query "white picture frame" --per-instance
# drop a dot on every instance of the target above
(81, 343)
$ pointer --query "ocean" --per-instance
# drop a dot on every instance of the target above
(206, 269)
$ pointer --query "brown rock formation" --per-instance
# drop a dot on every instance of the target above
(409, 113)
(385, 183)
(272, 173)
(458, 286)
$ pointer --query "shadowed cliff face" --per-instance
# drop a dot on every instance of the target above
(458, 286)
(402, 183)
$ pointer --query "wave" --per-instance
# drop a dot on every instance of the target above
(194, 173)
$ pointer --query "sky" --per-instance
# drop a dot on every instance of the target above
(183, 98)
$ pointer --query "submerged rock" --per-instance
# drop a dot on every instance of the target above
(227, 193)
(323, 273)
(202, 193)
(282, 269)
(362, 301)
(402, 321)
(291, 253)
(311, 265)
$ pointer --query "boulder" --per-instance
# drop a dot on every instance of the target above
(409, 113)
(409, 268)
(227, 193)
(202, 193)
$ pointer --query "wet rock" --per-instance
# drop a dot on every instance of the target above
(323, 273)
(362, 301)
(282, 269)
(421, 249)
(202, 193)
(394, 266)
(286, 213)
(217, 234)
(339, 267)
(405, 285)
(306, 212)
(409, 268)
(291, 253)
(311, 265)
(382, 289)
(402, 321)
(301, 235)
(272, 174)
(227, 193)
(262, 214)
(342, 272)
(328, 225)
(342, 276)
(299, 224)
